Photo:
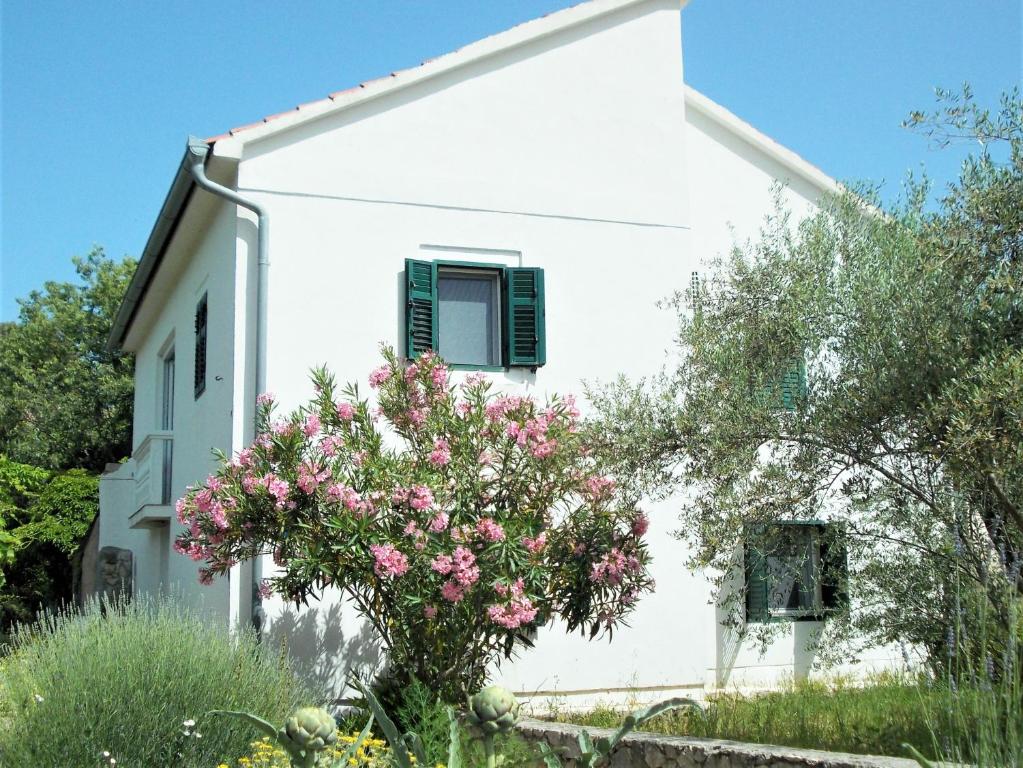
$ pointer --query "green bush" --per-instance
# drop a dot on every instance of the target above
(124, 679)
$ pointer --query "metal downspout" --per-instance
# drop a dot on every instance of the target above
(198, 151)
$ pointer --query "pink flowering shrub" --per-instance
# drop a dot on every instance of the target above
(478, 519)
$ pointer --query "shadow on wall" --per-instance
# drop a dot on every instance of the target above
(320, 653)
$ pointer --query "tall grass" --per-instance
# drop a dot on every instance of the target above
(978, 722)
(122, 680)
(838, 715)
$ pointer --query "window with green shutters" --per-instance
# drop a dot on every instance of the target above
(793, 384)
(795, 571)
(485, 316)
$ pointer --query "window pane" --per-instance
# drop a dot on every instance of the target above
(467, 319)
(791, 571)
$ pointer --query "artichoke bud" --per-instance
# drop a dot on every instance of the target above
(493, 710)
(310, 728)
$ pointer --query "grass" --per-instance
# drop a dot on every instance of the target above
(123, 680)
(839, 715)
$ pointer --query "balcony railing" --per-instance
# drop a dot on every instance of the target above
(154, 464)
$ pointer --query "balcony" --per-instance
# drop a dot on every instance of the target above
(154, 462)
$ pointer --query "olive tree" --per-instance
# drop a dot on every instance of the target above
(906, 428)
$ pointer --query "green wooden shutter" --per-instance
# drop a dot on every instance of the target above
(755, 566)
(524, 319)
(793, 384)
(834, 568)
(420, 307)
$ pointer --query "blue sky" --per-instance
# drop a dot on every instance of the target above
(98, 97)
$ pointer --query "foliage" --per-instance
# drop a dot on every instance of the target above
(879, 716)
(909, 430)
(473, 520)
(595, 752)
(369, 753)
(838, 715)
(308, 738)
(136, 681)
(65, 401)
(43, 516)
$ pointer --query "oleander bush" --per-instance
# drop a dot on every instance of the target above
(136, 682)
(454, 519)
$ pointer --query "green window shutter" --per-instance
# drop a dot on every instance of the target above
(755, 566)
(834, 568)
(525, 321)
(793, 384)
(420, 307)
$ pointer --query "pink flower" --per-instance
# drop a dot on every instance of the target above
(330, 444)
(430, 611)
(309, 478)
(489, 529)
(345, 411)
(411, 529)
(359, 458)
(421, 498)
(390, 562)
(278, 488)
(640, 524)
(610, 568)
(312, 425)
(442, 564)
(464, 568)
(452, 591)
(513, 614)
(181, 508)
(463, 408)
(439, 522)
(598, 486)
(417, 416)
(441, 453)
(439, 377)
(218, 517)
(264, 590)
(205, 576)
(266, 398)
(544, 449)
(535, 546)
(379, 376)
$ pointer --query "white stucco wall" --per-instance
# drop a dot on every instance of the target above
(200, 259)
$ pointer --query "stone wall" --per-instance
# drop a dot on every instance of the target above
(648, 750)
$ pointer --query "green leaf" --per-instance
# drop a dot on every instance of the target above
(398, 747)
(454, 741)
(550, 758)
(415, 746)
(342, 762)
(585, 743)
(917, 756)
(640, 716)
(267, 728)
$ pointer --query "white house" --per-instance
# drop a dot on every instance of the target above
(569, 146)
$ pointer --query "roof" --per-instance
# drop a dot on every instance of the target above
(526, 32)
(229, 144)
(788, 159)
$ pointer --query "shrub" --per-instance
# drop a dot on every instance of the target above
(263, 753)
(124, 679)
(486, 519)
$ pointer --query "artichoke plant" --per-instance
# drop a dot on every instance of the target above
(307, 733)
(310, 728)
(493, 710)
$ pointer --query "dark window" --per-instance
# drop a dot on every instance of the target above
(794, 571)
(201, 325)
(475, 315)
